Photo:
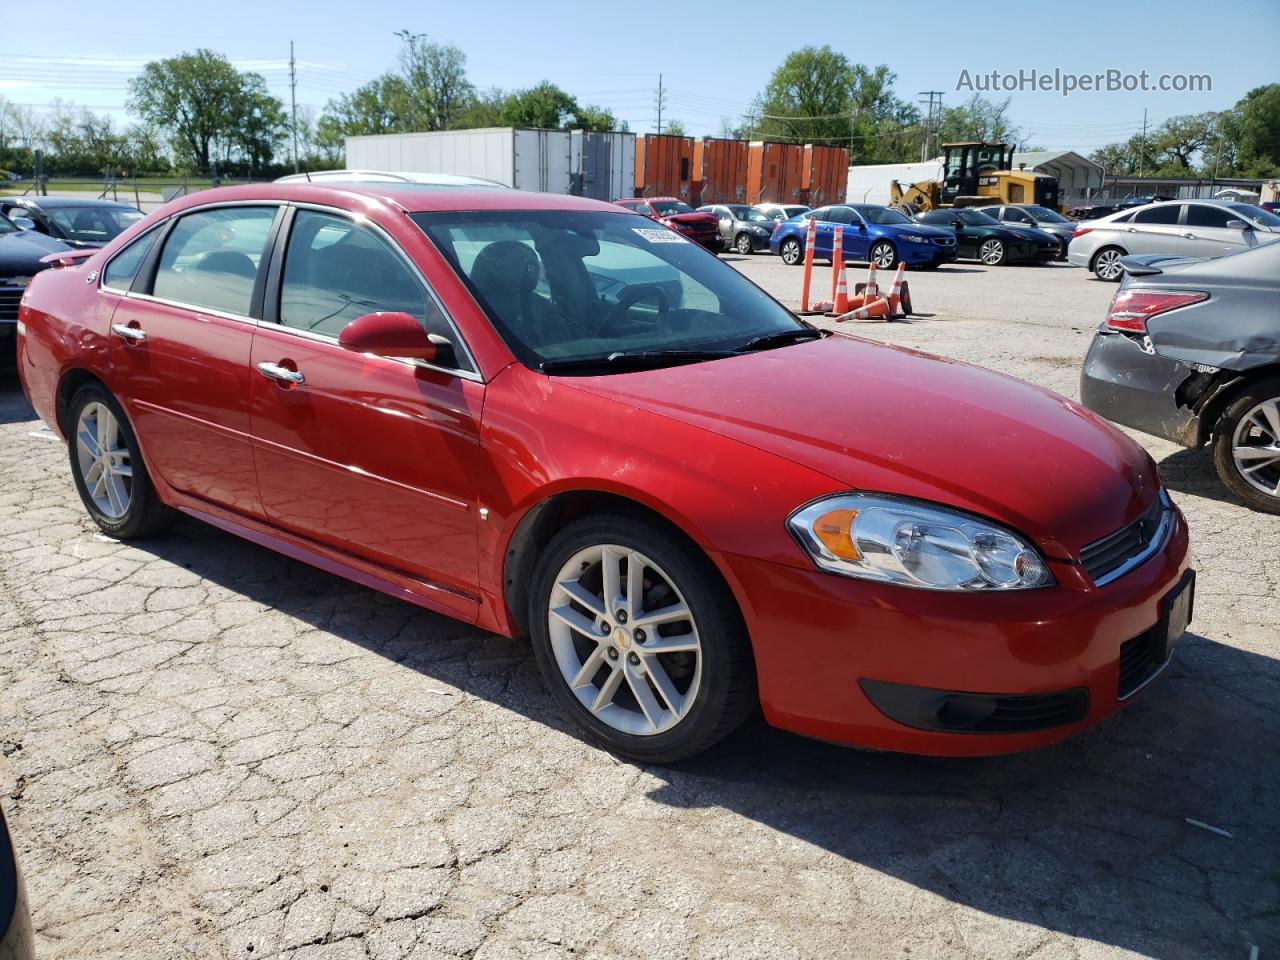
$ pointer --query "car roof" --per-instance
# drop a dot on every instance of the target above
(389, 176)
(51, 202)
(410, 197)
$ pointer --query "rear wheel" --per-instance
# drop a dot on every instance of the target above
(639, 640)
(107, 467)
(1106, 264)
(992, 253)
(742, 244)
(884, 255)
(1246, 446)
(790, 251)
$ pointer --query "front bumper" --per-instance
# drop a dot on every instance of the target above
(1123, 383)
(819, 637)
(918, 254)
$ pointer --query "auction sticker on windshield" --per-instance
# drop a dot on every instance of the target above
(657, 235)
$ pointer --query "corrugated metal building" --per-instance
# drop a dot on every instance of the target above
(1079, 178)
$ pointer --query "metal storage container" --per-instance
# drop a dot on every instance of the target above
(773, 172)
(523, 159)
(824, 174)
(664, 166)
(870, 183)
(601, 165)
(719, 171)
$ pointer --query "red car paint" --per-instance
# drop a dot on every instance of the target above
(414, 481)
(702, 228)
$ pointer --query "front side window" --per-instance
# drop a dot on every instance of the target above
(93, 224)
(1206, 216)
(122, 269)
(210, 258)
(336, 270)
(1046, 215)
(883, 216)
(568, 286)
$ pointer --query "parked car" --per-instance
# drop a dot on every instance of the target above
(21, 258)
(782, 211)
(1142, 201)
(1190, 351)
(77, 222)
(872, 233)
(1189, 228)
(980, 237)
(1091, 211)
(701, 228)
(1038, 218)
(17, 939)
(743, 229)
(569, 463)
(385, 176)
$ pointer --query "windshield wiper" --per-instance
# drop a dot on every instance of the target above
(781, 339)
(636, 359)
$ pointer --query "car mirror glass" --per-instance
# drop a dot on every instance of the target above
(23, 223)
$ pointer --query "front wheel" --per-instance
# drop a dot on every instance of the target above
(1106, 265)
(791, 252)
(1246, 446)
(992, 253)
(639, 640)
(742, 244)
(107, 467)
(884, 256)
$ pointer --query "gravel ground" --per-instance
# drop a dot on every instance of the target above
(212, 751)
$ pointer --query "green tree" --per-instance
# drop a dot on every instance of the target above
(1254, 127)
(673, 128)
(544, 106)
(380, 106)
(592, 117)
(436, 77)
(263, 124)
(978, 119)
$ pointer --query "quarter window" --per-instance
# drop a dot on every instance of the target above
(336, 270)
(211, 258)
(120, 272)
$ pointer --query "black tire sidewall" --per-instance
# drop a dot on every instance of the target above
(142, 494)
(722, 636)
(1224, 432)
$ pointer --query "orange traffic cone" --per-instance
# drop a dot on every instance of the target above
(810, 241)
(895, 292)
(877, 309)
(871, 289)
(842, 296)
(837, 258)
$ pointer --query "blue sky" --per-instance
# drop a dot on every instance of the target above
(713, 56)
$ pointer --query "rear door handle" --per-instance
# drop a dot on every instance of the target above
(132, 334)
(273, 371)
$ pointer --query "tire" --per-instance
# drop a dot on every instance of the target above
(791, 252)
(884, 255)
(992, 252)
(742, 244)
(1106, 264)
(1251, 421)
(124, 506)
(710, 682)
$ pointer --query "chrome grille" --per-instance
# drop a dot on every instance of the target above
(9, 297)
(1114, 555)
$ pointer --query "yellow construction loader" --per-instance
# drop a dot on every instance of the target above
(976, 174)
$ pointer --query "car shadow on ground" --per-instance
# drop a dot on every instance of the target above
(1088, 838)
(1191, 471)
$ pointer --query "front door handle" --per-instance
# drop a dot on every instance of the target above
(1190, 236)
(132, 334)
(273, 371)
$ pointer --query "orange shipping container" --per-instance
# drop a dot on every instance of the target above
(773, 172)
(664, 166)
(720, 171)
(825, 175)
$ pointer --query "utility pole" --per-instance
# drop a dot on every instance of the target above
(661, 100)
(1142, 153)
(293, 104)
(935, 97)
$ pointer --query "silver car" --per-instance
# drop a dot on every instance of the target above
(742, 228)
(1037, 217)
(1174, 228)
(782, 211)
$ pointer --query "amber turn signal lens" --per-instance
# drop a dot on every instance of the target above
(833, 531)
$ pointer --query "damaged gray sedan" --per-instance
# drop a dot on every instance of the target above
(1190, 351)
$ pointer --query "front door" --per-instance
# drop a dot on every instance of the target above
(180, 347)
(371, 456)
(1205, 232)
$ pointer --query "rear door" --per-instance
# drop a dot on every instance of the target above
(374, 457)
(180, 345)
(1154, 229)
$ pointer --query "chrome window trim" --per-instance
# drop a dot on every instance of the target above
(190, 307)
(1154, 545)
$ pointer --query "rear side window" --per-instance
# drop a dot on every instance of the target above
(336, 271)
(1164, 213)
(120, 272)
(210, 258)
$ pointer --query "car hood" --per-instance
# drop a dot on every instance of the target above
(920, 229)
(1026, 233)
(888, 419)
(691, 218)
(20, 252)
(1057, 228)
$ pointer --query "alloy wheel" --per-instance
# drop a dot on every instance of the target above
(790, 253)
(624, 640)
(104, 460)
(992, 252)
(1107, 266)
(1255, 447)
(883, 256)
(743, 244)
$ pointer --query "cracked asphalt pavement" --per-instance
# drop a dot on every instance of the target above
(212, 751)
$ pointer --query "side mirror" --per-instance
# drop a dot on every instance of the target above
(394, 334)
(23, 223)
(1239, 225)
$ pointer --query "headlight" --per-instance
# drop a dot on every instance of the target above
(913, 238)
(914, 543)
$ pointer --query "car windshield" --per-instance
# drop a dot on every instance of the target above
(882, 215)
(563, 286)
(973, 217)
(668, 208)
(6, 226)
(1256, 214)
(1044, 213)
(93, 224)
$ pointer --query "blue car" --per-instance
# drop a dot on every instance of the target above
(872, 233)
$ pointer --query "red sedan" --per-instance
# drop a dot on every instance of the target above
(546, 416)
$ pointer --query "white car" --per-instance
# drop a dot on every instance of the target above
(384, 176)
(1176, 228)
